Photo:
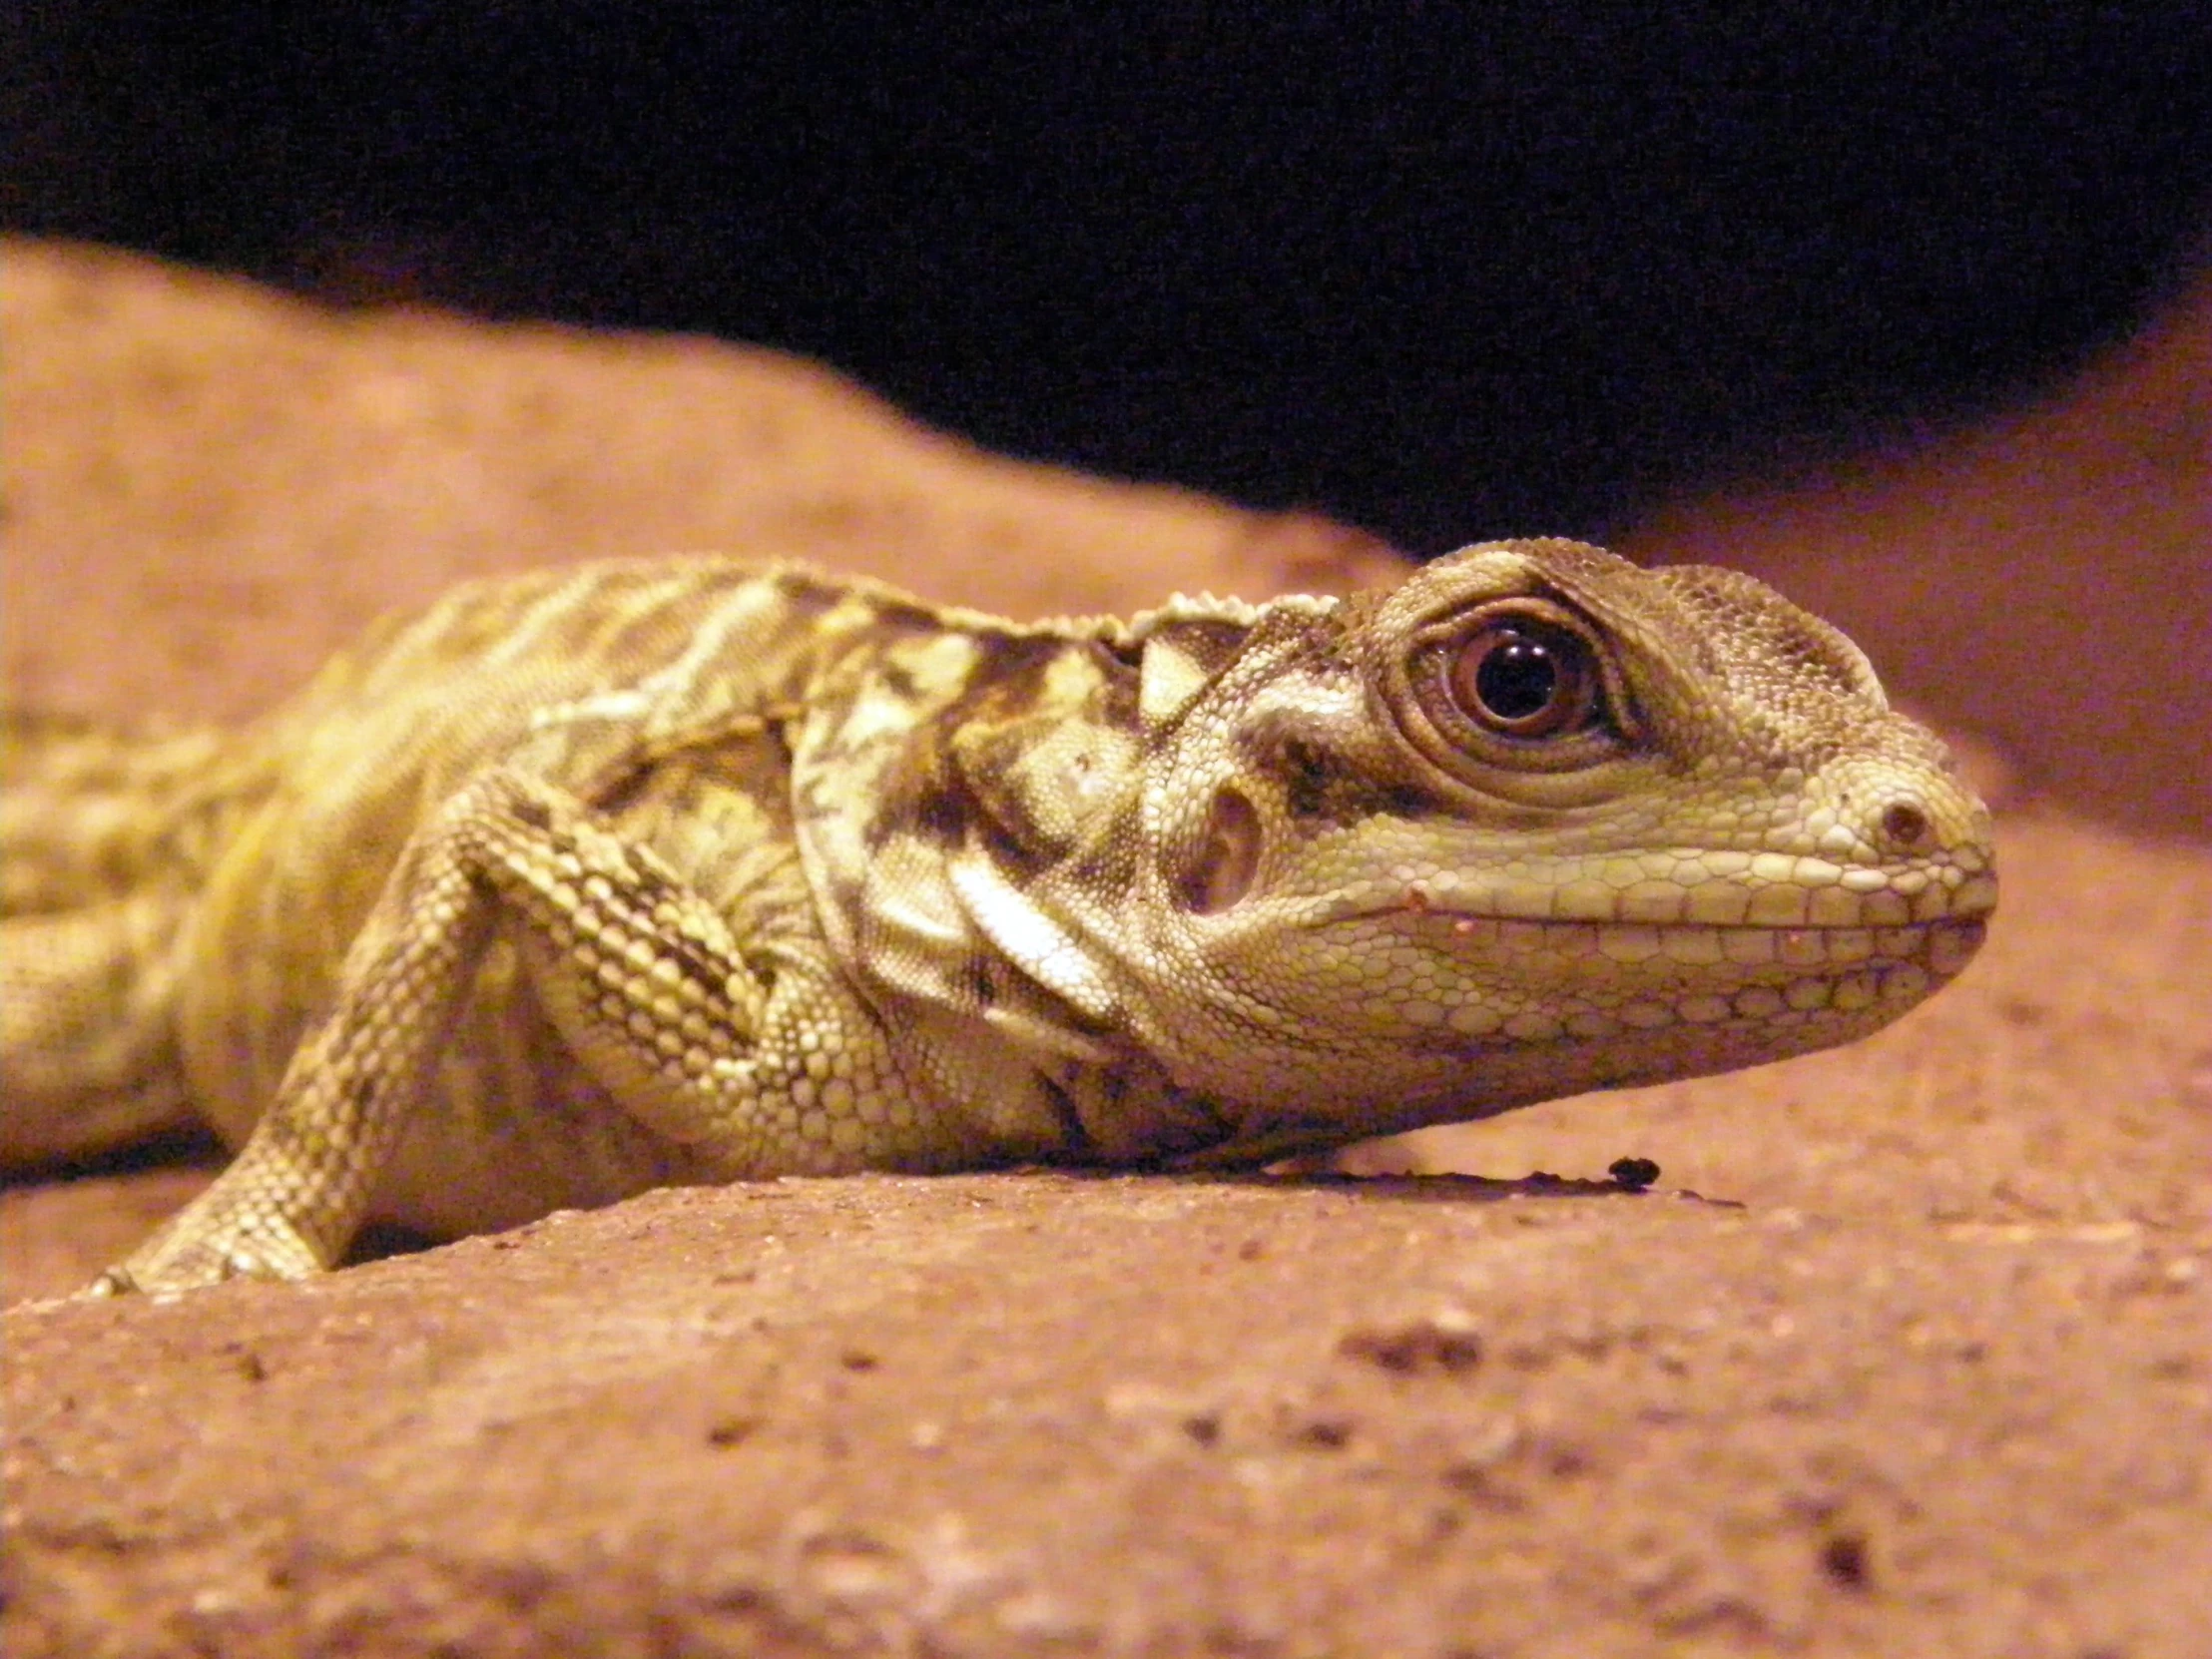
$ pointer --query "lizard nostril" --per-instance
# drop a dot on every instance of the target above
(1906, 827)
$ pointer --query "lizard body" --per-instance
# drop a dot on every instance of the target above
(653, 872)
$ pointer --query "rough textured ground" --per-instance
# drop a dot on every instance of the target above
(1927, 1370)
(235, 481)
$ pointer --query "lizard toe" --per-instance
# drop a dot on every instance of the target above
(190, 1261)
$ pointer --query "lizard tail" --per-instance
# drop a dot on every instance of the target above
(88, 1030)
(91, 813)
(104, 843)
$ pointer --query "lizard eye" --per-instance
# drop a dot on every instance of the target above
(1525, 677)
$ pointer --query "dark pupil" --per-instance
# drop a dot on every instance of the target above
(1518, 678)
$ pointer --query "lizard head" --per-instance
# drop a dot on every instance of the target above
(1536, 821)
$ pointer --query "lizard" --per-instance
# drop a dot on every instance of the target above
(642, 873)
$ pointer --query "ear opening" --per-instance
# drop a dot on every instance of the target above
(1228, 858)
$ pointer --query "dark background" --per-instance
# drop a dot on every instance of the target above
(1441, 271)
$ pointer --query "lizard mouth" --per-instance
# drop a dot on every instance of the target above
(1944, 946)
(1935, 925)
(1609, 979)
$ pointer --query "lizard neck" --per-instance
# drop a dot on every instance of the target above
(954, 793)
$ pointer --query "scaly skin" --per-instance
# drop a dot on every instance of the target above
(645, 872)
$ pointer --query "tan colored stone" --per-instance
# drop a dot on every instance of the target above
(210, 487)
(1928, 1370)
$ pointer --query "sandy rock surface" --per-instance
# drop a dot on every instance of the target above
(1927, 1369)
(235, 482)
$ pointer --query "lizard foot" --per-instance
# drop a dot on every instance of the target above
(185, 1258)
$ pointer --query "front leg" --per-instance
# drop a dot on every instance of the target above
(753, 1055)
